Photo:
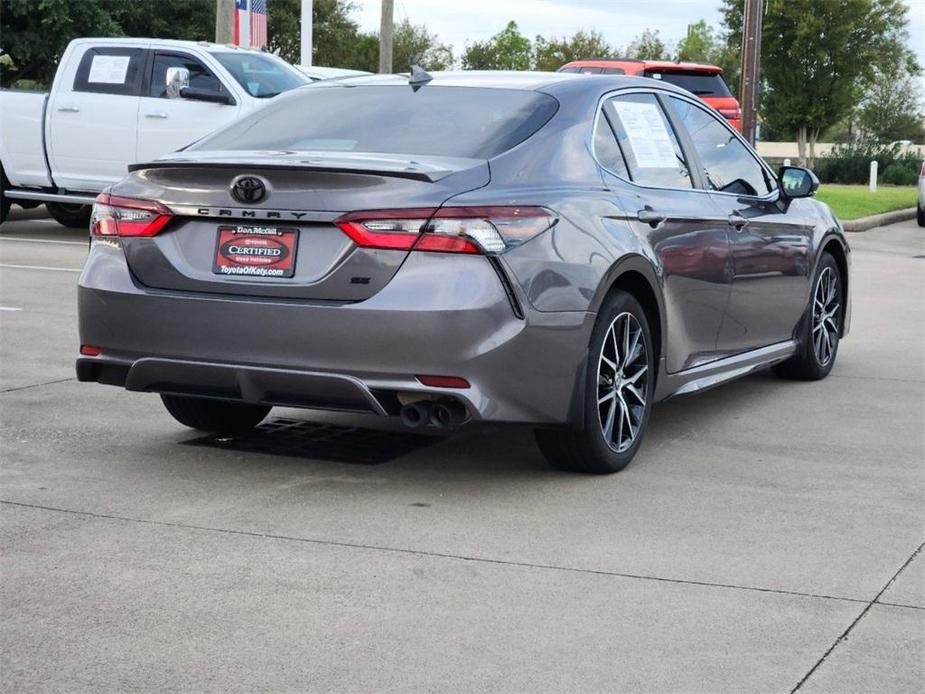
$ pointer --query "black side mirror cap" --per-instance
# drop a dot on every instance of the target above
(210, 95)
(797, 182)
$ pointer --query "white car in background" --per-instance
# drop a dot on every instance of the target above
(118, 101)
(315, 73)
(921, 211)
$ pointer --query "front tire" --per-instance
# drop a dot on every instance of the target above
(5, 202)
(218, 416)
(66, 214)
(820, 331)
(920, 215)
(619, 388)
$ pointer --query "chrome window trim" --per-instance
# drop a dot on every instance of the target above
(769, 197)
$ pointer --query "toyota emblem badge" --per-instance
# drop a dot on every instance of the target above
(248, 189)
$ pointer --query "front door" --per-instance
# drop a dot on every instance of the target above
(165, 125)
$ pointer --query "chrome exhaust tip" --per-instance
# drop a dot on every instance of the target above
(447, 414)
(416, 414)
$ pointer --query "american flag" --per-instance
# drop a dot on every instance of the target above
(250, 23)
(258, 23)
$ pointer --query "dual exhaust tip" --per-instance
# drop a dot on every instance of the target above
(443, 414)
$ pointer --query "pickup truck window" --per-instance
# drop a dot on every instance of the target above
(110, 70)
(262, 76)
(199, 75)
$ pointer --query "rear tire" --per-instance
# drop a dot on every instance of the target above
(618, 393)
(218, 416)
(5, 202)
(66, 214)
(820, 331)
(920, 215)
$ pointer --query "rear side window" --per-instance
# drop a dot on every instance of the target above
(199, 75)
(441, 121)
(728, 165)
(110, 70)
(647, 141)
(699, 83)
(607, 150)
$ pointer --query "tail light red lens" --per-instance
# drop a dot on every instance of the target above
(449, 229)
(730, 113)
(444, 381)
(116, 216)
(91, 350)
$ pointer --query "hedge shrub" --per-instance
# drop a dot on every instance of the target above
(850, 163)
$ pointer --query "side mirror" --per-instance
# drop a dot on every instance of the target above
(796, 182)
(176, 80)
(211, 95)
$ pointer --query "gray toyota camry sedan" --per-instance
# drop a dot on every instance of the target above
(545, 248)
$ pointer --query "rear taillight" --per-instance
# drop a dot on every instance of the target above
(730, 113)
(116, 216)
(448, 230)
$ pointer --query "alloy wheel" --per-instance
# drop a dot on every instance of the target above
(622, 382)
(825, 316)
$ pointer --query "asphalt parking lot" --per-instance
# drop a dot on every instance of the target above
(767, 538)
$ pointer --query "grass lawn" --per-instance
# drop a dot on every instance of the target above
(851, 202)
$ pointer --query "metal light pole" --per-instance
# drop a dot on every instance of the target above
(385, 37)
(751, 67)
(306, 33)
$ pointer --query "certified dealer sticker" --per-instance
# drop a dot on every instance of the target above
(255, 251)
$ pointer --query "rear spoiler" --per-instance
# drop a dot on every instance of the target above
(419, 168)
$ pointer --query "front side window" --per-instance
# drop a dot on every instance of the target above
(261, 75)
(199, 75)
(728, 166)
(647, 141)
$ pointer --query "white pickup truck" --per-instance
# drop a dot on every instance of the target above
(117, 101)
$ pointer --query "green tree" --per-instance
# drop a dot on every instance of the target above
(700, 45)
(413, 44)
(891, 108)
(506, 50)
(551, 54)
(334, 34)
(648, 46)
(816, 57)
(34, 33)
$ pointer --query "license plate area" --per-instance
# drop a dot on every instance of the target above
(255, 251)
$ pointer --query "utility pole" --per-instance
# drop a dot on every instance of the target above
(751, 67)
(385, 37)
(224, 21)
(306, 33)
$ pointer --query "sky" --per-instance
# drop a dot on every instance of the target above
(620, 21)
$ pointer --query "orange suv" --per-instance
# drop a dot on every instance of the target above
(705, 81)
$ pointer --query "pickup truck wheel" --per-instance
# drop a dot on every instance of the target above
(76, 216)
(4, 201)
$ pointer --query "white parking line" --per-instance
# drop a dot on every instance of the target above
(62, 243)
(40, 267)
(9, 308)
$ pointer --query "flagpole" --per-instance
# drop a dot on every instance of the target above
(306, 33)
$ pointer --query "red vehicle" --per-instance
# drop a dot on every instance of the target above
(706, 81)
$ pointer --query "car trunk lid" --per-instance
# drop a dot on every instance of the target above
(284, 245)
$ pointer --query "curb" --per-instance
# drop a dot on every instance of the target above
(878, 220)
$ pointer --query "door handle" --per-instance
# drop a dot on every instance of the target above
(738, 221)
(68, 109)
(650, 216)
(155, 115)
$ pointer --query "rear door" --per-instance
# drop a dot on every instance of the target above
(771, 243)
(165, 125)
(684, 229)
(93, 118)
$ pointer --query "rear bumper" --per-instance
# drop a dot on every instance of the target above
(439, 315)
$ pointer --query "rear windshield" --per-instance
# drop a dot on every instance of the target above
(699, 83)
(441, 121)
